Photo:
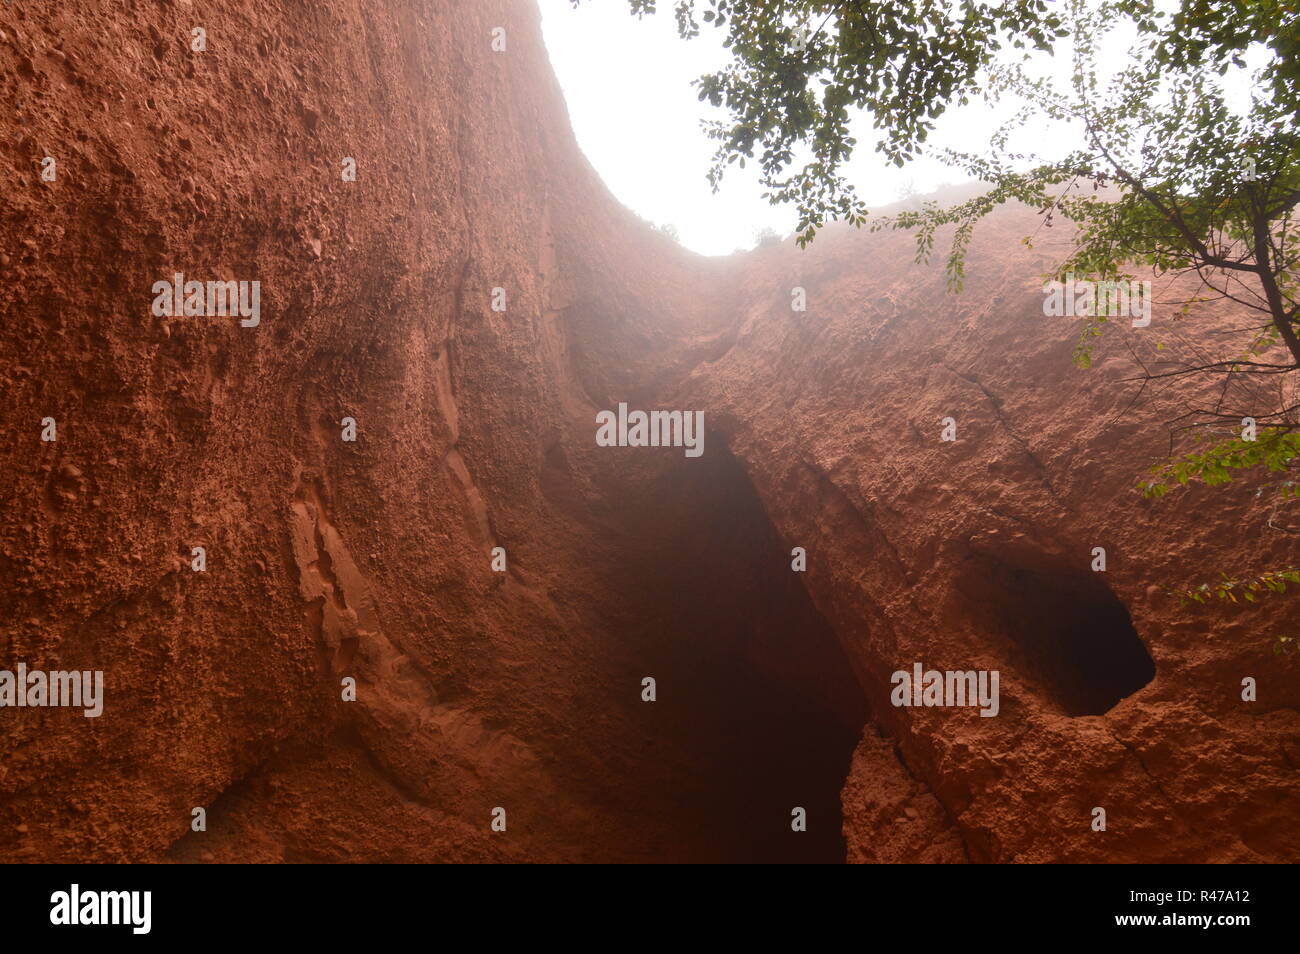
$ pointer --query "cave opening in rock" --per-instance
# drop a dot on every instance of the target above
(1060, 628)
(757, 702)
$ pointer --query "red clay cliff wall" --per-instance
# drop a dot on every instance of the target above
(475, 429)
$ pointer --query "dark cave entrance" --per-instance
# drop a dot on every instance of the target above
(758, 711)
(1060, 628)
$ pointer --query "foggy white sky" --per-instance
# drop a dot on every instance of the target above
(627, 83)
(628, 87)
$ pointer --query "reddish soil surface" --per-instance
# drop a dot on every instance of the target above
(522, 690)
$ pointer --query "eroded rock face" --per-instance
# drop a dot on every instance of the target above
(977, 555)
(371, 559)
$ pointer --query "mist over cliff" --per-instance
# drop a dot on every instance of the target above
(429, 597)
